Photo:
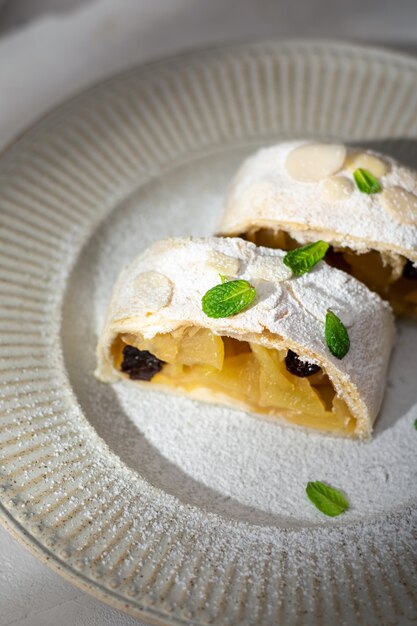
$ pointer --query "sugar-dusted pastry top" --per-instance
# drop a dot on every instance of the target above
(308, 189)
(162, 290)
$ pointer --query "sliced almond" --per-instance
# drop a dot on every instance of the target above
(223, 263)
(313, 162)
(336, 188)
(401, 204)
(152, 292)
(269, 268)
(366, 161)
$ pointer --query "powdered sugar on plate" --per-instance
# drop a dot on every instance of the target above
(222, 460)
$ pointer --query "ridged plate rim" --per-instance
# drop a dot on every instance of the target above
(50, 555)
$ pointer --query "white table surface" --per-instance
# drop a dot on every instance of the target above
(51, 49)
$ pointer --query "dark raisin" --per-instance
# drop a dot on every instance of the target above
(410, 271)
(298, 367)
(140, 364)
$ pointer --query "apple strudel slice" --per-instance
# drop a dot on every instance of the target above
(362, 203)
(222, 320)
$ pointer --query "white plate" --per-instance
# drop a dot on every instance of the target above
(170, 509)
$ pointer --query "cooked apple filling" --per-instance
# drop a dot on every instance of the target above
(259, 379)
(391, 276)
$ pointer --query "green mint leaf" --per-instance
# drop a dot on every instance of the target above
(366, 182)
(328, 500)
(415, 424)
(336, 335)
(302, 260)
(228, 298)
(223, 278)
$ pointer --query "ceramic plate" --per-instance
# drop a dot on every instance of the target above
(173, 510)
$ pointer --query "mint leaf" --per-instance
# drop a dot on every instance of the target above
(328, 500)
(415, 424)
(223, 278)
(366, 182)
(302, 260)
(336, 335)
(228, 298)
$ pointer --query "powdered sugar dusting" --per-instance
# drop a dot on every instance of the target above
(263, 193)
(114, 517)
(286, 318)
(314, 296)
(221, 460)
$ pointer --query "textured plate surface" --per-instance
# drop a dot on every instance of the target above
(172, 510)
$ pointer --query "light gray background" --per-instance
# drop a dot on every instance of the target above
(49, 50)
